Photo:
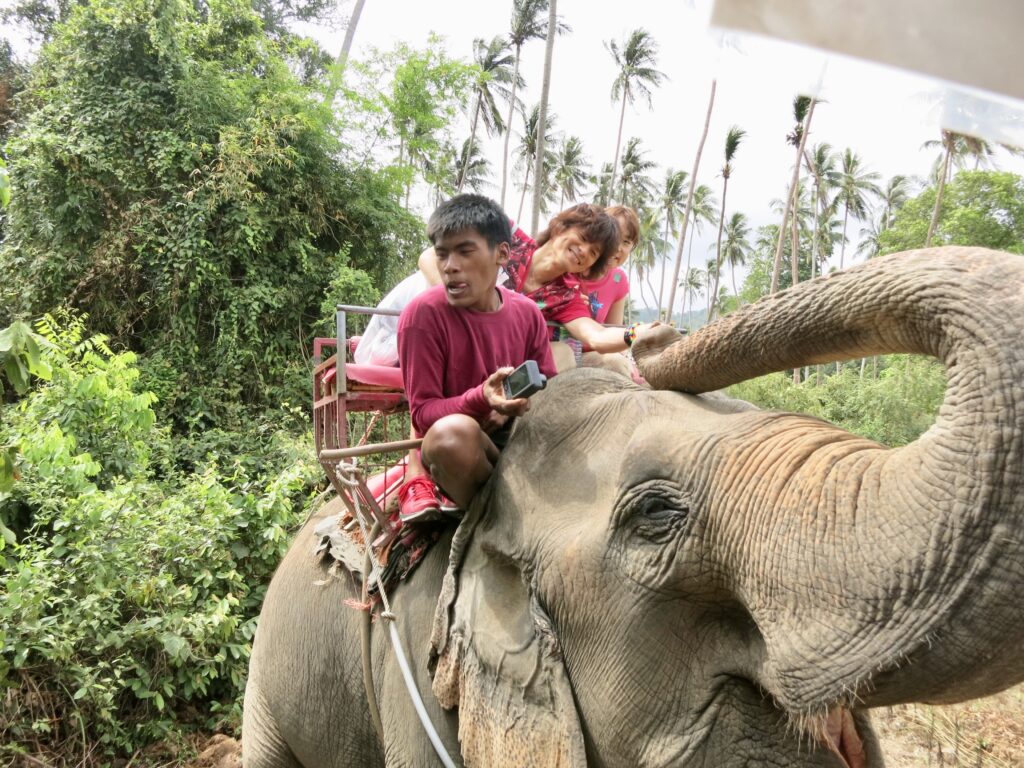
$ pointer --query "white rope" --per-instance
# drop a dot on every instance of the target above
(347, 476)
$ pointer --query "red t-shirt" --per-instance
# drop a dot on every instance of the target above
(447, 352)
(559, 300)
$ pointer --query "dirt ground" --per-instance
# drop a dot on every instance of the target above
(987, 733)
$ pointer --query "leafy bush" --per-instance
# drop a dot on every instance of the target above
(174, 180)
(131, 597)
(893, 409)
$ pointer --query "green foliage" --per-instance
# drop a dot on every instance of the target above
(982, 208)
(175, 181)
(5, 185)
(21, 356)
(130, 600)
(411, 99)
(893, 409)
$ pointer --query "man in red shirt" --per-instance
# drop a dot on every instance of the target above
(457, 343)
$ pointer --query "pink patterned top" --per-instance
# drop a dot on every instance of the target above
(602, 293)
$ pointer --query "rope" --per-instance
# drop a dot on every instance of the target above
(347, 469)
(371, 694)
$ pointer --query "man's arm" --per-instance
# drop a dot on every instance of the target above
(428, 266)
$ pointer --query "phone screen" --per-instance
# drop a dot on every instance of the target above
(518, 380)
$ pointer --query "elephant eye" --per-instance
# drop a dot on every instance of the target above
(654, 511)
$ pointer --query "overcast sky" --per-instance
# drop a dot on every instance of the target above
(883, 114)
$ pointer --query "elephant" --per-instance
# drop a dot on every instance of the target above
(663, 576)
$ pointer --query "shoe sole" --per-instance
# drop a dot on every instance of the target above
(422, 515)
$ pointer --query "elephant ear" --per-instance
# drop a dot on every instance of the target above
(495, 656)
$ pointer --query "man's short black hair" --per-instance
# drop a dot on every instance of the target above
(470, 212)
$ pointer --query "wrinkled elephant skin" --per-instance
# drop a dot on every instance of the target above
(659, 577)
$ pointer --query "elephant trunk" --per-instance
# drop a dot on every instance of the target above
(890, 575)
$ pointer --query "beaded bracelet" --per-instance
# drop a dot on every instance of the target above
(629, 335)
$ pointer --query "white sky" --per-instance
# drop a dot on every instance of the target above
(883, 114)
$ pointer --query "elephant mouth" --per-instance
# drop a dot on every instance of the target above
(837, 731)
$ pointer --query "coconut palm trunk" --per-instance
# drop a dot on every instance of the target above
(469, 151)
(538, 172)
(661, 287)
(777, 265)
(689, 200)
(940, 188)
(618, 142)
(522, 197)
(346, 46)
(508, 130)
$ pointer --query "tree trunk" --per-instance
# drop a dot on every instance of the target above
(618, 144)
(842, 251)
(508, 129)
(661, 288)
(469, 147)
(689, 199)
(538, 173)
(342, 61)
(938, 199)
(522, 197)
(718, 247)
(777, 266)
(794, 255)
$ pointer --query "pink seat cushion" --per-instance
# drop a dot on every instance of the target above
(377, 375)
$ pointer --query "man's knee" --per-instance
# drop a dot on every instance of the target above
(452, 441)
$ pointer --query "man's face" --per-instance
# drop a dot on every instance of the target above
(469, 269)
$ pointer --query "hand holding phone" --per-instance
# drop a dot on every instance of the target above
(524, 381)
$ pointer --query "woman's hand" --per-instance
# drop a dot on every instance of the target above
(645, 328)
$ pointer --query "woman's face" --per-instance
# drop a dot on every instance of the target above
(626, 247)
(574, 254)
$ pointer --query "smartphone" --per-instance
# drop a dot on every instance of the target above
(524, 381)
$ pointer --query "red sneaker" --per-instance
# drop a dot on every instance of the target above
(417, 500)
(448, 506)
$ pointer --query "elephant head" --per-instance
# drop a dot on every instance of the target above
(657, 577)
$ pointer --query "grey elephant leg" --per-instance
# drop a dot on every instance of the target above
(265, 747)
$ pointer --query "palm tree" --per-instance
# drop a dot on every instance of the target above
(736, 248)
(671, 203)
(637, 186)
(636, 61)
(702, 210)
(526, 153)
(568, 172)
(601, 182)
(694, 282)
(895, 195)
(648, 249)
(821, 165)
(529, 22)
(689, 197)
(855, 186)
(494, 80)
(455, 169)
(951, 144)
(803, 110)
(732, 143)
(541, 172)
